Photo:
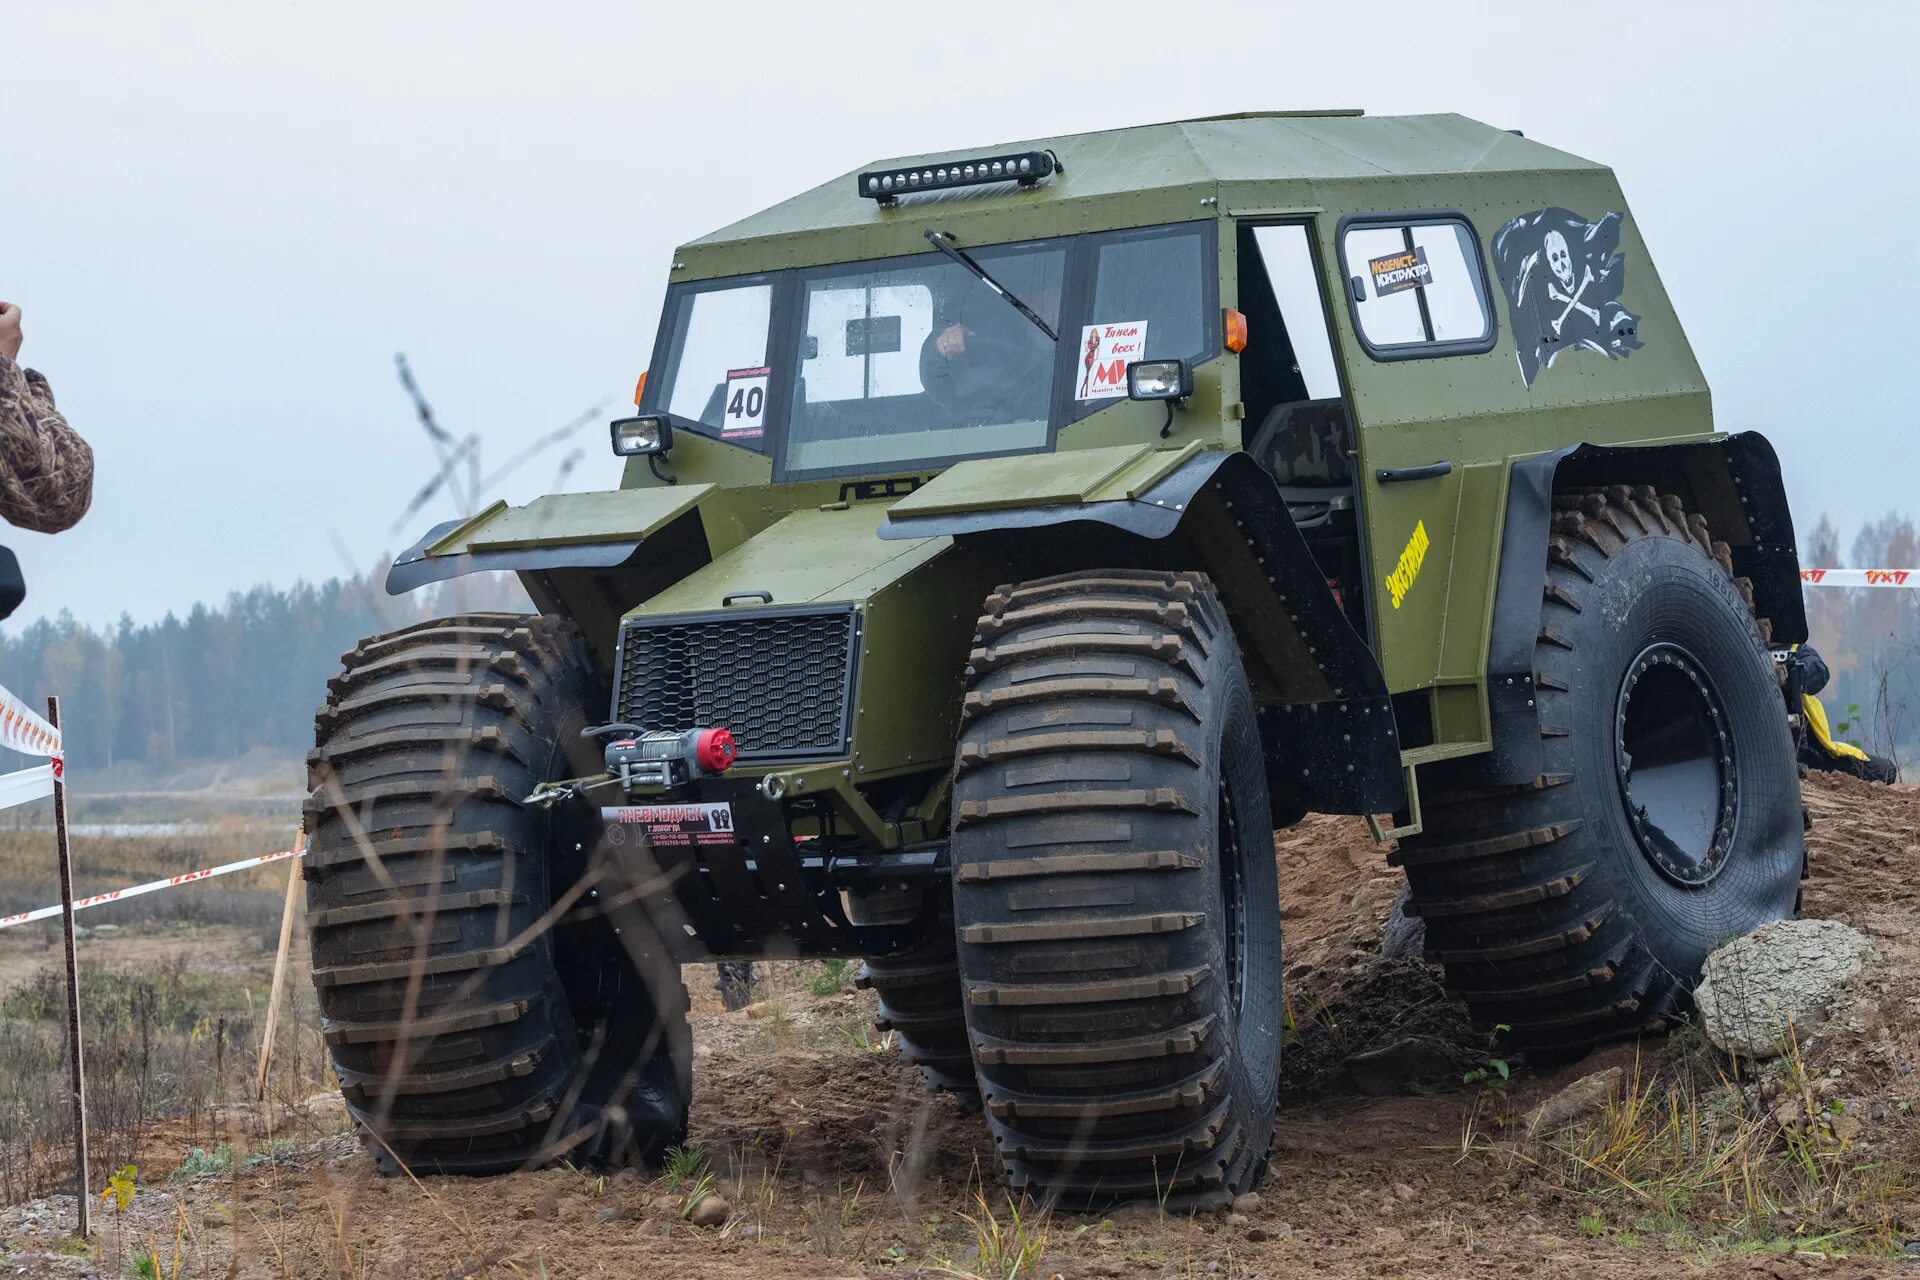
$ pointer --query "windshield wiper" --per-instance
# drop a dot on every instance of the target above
(943, 241)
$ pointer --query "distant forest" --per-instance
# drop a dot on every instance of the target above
(224, 679)
(249, 673)
(1870, 637)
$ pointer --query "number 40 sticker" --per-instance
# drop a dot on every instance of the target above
(745, 411)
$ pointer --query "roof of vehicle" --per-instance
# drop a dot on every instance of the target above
(1274, 157)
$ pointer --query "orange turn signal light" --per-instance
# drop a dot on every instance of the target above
(640, 387)
(1236, 331)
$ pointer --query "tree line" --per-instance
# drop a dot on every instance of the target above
(223, 679)
(1870, 637)
(249, 673)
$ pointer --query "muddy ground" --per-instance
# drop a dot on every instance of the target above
(834, 1162)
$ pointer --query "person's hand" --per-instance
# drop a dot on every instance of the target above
(951, 342)
(9, 331)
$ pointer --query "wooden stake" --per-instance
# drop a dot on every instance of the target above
(74, 1054)
(279, 967)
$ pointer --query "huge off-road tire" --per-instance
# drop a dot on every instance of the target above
(481, 1011)
(1580, 907)
(1114, 892)
(921, 1004)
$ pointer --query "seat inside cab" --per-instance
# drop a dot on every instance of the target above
(1297, 425)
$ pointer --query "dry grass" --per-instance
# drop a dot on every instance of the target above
(29, 875)
(1691, 1155)
(1012, 1247)
(169, 1044)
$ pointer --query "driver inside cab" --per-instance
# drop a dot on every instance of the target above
(983, 357)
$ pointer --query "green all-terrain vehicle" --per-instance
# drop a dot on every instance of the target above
(1010, 540)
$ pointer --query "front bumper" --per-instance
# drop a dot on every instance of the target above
(720, 860)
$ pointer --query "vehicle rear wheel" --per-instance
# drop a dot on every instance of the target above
(479, 1019)
(1115, 892)
(1581, 906)
(921, 1003)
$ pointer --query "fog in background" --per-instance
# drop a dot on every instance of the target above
(223, 219)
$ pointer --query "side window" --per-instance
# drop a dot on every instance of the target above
(1416, 287)
(1150, 299)
(715, 375)
(1296, 288)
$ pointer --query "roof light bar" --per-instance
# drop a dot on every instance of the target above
(1023, 167)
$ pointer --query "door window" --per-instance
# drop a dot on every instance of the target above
(1416, 287)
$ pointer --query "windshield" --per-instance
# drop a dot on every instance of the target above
(914, 361)
(918, 358)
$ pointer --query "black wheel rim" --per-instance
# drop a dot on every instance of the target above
(1232, 914)
(1673, 751)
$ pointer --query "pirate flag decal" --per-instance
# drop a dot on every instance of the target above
(1563, 276)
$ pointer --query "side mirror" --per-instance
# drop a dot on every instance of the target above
(1159, 380)
(645, 436)
(13, 584)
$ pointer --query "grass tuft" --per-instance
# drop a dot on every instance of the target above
(835, 977)
(684, 1167)
(1009, 1249)
(1698, 1161)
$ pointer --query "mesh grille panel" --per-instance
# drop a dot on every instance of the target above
(777, 681)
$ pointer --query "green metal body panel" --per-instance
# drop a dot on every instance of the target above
(918, 599)
(573, 519)
(805, 557)
(815, 541)
(1078, 475)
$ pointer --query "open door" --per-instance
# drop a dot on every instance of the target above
(1298, 426)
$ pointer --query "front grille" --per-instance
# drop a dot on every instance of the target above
(782, 682)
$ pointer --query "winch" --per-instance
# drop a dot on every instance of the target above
(664, 758)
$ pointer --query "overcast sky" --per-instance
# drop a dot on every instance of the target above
(222, 219)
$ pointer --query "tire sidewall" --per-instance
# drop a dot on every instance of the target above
(1256, 1024)
(1662, 590)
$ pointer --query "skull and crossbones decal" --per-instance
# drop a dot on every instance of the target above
(1562, 276)
(1560, 258)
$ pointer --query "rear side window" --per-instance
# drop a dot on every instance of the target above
(1416, 285)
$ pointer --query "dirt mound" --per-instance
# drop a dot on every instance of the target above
(844, 1116)
(1863, 852)
(1344, 1001)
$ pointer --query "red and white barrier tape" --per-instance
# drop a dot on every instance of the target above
(27, 784)
(101, 899)
(22, 729)
(1909, 578)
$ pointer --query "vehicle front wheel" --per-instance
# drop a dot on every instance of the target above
(1115, 892)
(480, 1016)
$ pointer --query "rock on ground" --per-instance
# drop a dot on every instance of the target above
(1784, 973)
(1584, 1096)
(1404, 936)
(709, 1211)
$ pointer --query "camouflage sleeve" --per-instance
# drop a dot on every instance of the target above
(46, 469)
